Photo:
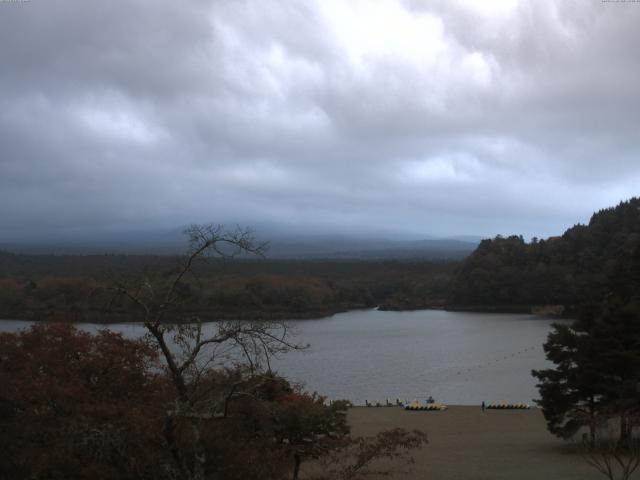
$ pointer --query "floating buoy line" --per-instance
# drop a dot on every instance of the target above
(451, 373)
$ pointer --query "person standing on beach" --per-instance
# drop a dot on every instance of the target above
(483, 406)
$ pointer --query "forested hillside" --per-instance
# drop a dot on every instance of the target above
(585, 264)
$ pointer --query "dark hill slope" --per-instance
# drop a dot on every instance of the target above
(585, 264)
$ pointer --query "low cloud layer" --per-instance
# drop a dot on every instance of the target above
(363, 117)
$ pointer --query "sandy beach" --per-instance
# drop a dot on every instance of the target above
(465, 443)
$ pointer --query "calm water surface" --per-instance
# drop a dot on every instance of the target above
(458, 358)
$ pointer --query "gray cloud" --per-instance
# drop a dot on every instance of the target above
(441, 117)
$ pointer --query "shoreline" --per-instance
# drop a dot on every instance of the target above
(119, 318)
(468, 444)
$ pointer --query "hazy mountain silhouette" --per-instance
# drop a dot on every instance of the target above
(280, 245)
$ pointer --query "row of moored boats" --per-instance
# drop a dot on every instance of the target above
(432, 406)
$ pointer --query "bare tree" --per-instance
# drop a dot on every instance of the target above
(190, 350)
(198, 357)
(359, 456)
(614, 458)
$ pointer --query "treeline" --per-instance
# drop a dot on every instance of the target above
(78, 288)
(583, 265)
(595, 381)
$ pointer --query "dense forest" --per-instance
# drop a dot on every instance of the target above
(78, 288)
(583, 265)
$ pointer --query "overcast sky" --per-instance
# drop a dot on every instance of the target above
(441, 117)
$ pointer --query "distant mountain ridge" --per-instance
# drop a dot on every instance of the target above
(352, 248)
(280, 247)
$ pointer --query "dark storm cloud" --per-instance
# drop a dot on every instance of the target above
(424, 117)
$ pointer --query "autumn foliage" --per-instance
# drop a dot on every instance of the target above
(75, 405)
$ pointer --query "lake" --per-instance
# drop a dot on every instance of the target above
(456, 357)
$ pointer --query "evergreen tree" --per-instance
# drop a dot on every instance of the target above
(597, 371)
(571, 393)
